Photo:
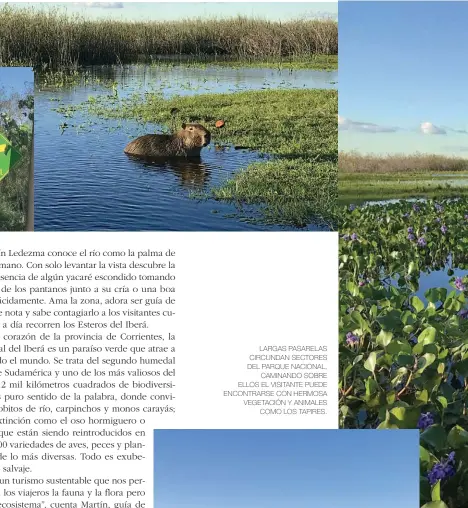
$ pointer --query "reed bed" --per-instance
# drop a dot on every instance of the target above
(356, 163)
(53, 39)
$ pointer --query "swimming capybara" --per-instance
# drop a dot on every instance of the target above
(188, 142)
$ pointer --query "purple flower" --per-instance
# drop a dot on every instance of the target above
(422, 242)
(410, 230)
(416, 208)
(362, 283)
(406, 215)
(354, 237)
(438, 219)
(438, 207)
(411, 237)
(463, 314)
(351, 339)
(425, 421)
(346, 237)
(444, 229)
(442, 470)
(352, 207)
(466, 216)
(459, 284)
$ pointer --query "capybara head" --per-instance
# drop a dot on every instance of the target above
(196, 135)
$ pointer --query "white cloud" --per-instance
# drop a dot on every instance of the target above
(430, 128)
(351, 125)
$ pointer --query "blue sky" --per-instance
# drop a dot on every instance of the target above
(175, 10)
(15, 78)
(286, 469)
(402, 80)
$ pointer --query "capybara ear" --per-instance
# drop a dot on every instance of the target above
(184, 125)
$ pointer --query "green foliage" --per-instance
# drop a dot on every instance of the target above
(403, 359)
(14, 187)
(297, 185)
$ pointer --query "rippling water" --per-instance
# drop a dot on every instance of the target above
(84, 181)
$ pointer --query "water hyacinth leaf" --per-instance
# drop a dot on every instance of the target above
(371, 386)
(457, 437)
(442, 401)
(424, 456)
(347, 370)
(435, 492)
(428, 335)
(435, 436)
(405, 360)
(412, 268)
(390, 321)
(387, 425)
(371, 361)
(435, 295)
(417, 304)
(384, 338)
(404, 417)
(421, 397)
(462, 367)
(357, 359)
(424, 489)
(435, 504)
(396, 346)
(425, 361)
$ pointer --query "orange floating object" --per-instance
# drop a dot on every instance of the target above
(219, 124)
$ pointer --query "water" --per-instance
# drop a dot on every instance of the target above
(437, 279)
(84, 181)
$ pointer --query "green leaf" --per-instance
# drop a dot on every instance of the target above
(387, 425)
(425, 361)
(384, 338)
(435, 436)
(371, 362)
(424, 455)
(435, 492)
(404, 417)
(417, 304)
(428, 335)
(435, 504)
(457, 437)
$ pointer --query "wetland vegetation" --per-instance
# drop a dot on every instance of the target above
(274, 162)
(52, 39)
(403, 333)
(296, 128)
(375, 178)
(16, 120)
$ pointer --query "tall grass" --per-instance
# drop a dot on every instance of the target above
(356, 163)
(53, 39)
(16, 119)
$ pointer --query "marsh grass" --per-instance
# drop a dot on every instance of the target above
(52, 39)
(297, 183)
(395, 164)
(363, 178)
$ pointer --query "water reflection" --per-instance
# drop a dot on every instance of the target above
(192, 174)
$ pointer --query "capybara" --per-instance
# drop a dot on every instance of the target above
(188, 142)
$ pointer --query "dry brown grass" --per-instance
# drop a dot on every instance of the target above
(352, 162)
(53, 39)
